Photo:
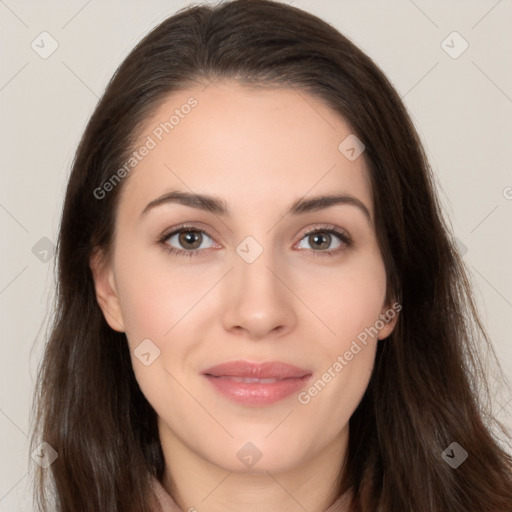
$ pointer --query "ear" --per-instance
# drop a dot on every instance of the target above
(106, 291)
(389, 317)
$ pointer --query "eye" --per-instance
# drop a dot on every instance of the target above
(186, 241)
(191, 241)
(321, 239)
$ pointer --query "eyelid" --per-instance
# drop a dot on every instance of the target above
(184, 227)
(326, 228)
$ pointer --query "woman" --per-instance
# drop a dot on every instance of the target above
(259, 304)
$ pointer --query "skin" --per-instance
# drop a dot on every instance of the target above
(258, 150)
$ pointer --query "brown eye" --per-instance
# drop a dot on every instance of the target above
(320, 240)
(190, 239)
(187, 239)
(325, 240)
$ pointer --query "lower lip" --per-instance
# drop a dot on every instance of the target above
(257, 393)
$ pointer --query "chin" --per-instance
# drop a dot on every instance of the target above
(259, 455)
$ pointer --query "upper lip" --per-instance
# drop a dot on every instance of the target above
(268, 370)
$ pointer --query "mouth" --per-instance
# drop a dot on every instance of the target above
(248, 380)
(256, 384)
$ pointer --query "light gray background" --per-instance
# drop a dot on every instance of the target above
(462, 108)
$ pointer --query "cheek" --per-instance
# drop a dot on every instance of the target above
(158, 303)
(348, 300)
(169, 306)
(350, 306)
(154, 294)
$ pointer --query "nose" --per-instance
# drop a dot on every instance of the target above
(258, 301)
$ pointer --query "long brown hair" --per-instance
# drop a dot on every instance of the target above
(425, 390)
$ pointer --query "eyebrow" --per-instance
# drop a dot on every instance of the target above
(218, 206)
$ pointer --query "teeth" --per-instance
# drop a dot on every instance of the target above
(250, 380)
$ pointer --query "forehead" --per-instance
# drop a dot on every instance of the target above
(256, 148)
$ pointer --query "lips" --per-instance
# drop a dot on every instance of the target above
(256, 372)
(253, 384)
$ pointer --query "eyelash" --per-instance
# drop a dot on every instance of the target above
(345, 239)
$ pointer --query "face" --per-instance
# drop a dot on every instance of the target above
(250, 277)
